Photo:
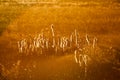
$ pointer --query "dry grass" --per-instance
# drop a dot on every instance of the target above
(98, 21)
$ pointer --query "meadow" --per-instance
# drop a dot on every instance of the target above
(100, 20)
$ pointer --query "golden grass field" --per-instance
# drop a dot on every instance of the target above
(101, 20)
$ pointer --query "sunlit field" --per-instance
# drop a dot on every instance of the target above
(72, 40)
